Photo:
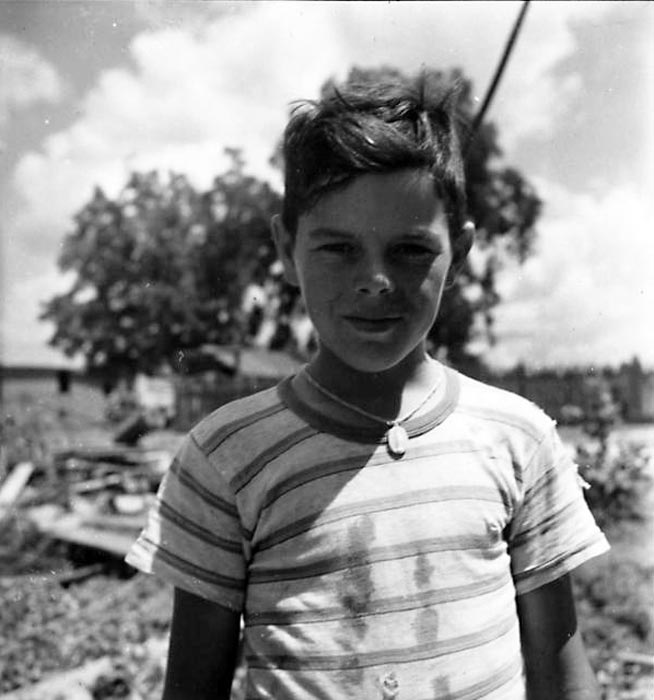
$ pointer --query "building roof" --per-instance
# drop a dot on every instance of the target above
(261, 362)
(246, 361)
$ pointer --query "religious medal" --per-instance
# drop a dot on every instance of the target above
(398, 439)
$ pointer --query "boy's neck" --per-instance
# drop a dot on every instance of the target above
(388, 393)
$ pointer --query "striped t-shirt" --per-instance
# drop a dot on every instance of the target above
(366, 575)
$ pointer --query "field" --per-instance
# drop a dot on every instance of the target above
(54, 621)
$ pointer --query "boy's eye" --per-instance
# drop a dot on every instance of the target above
(414, 251)
(337, 248)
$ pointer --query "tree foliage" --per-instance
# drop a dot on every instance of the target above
(163, 268)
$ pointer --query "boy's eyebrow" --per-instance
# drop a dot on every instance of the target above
(328, 232)
(419, 233)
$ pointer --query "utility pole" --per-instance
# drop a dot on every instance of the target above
(498, 75)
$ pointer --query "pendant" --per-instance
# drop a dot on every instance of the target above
(398, 440)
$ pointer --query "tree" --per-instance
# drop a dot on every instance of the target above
(161, 269)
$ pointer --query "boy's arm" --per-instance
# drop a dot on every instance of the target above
(555, 660)
(203, 649)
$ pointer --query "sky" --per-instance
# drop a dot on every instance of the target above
(91, 91)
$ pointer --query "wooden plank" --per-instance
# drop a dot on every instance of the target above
(70, 527)
(12, 487)
(61, 577)
(113, 455)
(71, 530)
(14, 484)
(115, 523)
(97, 484)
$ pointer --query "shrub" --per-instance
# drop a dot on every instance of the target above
(617, 473)
(619, 480)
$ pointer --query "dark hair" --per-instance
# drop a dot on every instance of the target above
(370, 126)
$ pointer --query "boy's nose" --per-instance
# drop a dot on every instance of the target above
(373, 282)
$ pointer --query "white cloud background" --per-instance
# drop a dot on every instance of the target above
(588, 293)
(26, 77)
(195, 88)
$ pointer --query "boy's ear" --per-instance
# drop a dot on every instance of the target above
(461, 246)
(284, 242)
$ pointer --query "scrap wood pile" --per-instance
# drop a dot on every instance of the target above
(106, 630)
(94, 497)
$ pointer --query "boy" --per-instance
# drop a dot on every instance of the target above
(386, 527)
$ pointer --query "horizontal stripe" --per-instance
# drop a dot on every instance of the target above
(321, 470)
(197, 531)
(158, 552)
(400, 603)
(217, 437)
(477, 691)
(549, 474)
(512, 420)
(379, 505)
(419, 652)
(209, 497)
(525, 538)
(276, 450)
(371, 556)
(590, 542)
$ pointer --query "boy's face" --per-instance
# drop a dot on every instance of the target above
(371, 261)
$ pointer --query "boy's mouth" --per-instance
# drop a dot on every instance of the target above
(369, 324)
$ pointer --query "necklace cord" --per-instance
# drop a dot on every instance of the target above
(388, 423)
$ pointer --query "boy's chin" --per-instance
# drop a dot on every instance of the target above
(372, 363)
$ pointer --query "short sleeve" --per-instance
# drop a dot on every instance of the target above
(192, 538)
(552, 531)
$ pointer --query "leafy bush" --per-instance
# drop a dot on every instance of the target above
(618, 474)
(619, 480)
(616, 616)
(45, 628)
(615, 604)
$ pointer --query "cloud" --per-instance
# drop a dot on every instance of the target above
(588, 292)
(163, 14)
(26, 78)
(533, 95)
(23, 341)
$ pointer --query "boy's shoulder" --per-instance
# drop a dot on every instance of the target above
(253, 420)
(486, 402)
(246, 409)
